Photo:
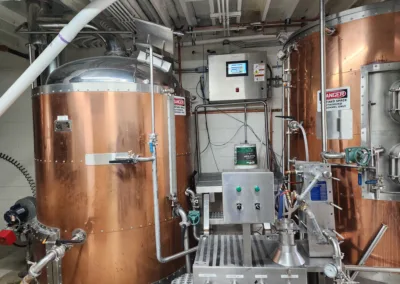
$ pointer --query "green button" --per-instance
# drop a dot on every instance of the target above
(257, 188)
(238, 189)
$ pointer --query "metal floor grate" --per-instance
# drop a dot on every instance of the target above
(184, 279)
(227, 250)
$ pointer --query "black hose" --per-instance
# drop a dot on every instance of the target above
(22, 169)
(19, 246)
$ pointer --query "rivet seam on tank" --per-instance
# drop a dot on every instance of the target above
(120, 229)
(56, 161)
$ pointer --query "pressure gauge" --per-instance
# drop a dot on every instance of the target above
(331, 270)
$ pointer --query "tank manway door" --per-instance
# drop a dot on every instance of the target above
(380, 130)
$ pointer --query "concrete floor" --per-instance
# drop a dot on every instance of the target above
(12, 261)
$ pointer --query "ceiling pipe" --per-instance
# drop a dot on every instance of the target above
(239, 9)
(227, 17)
(212, 10)
(219, 11)
(274, 24)
(230, 39)
(67, 34)
(223, 16)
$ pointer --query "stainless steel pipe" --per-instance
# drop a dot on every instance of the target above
(323, 77)
(153, 145)
(184, 219)
(370, 249)
(359, 268)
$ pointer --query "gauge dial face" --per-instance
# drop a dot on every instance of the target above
(330, 270)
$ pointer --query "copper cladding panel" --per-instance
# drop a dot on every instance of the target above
(113, 203)
(357, 43)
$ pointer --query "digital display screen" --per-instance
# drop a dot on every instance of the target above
(237, 68)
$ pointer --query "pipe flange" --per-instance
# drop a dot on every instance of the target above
(79, 235)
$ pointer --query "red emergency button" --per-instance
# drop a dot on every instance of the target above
(7, 237)
(237, 90)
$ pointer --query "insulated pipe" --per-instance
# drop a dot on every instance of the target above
(66, 35)
(184, 219)
(323, 77)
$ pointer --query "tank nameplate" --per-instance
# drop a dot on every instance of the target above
(63, 126)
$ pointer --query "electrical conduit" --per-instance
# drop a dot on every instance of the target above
(66, 35)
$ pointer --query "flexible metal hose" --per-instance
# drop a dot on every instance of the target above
(22, 169)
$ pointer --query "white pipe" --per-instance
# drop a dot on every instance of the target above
(324, 124)
(223, 16)
(219, 11)
(305, 142)
(227, 17)
(66, 35)
(237, 38)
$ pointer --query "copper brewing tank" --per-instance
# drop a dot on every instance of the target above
(107, 104)
(363, 36)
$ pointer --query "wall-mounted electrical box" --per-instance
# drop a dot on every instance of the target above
(239, 76)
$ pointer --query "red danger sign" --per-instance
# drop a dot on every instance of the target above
(336, 94)
(336, 99)
(180, 101)
(179, 105)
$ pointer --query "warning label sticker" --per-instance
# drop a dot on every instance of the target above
(179, 105)
(336, 99)
(259, 72)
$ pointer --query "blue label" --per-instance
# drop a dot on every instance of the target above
(319, 192)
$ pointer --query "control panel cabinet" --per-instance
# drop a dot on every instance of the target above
(248, 196)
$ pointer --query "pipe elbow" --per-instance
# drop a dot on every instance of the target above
(189, 192)
(333, 155)
(181, 212)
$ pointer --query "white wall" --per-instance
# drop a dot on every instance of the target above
(221, 126)
(16, 135)
(16, 128)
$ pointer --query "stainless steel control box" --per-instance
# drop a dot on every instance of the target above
(248, 196)
(239, 76)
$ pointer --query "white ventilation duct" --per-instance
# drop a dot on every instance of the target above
(66, 35)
